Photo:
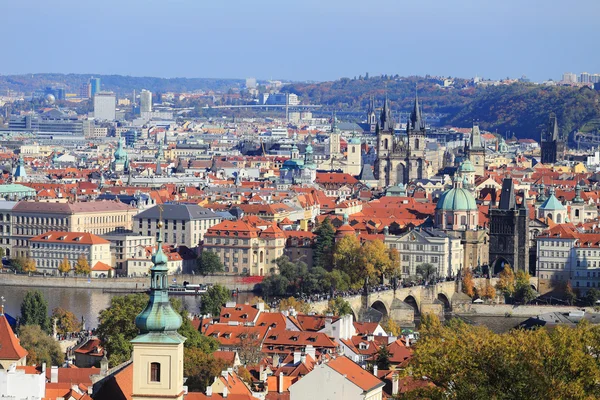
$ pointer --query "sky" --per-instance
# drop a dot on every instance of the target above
(300, 40)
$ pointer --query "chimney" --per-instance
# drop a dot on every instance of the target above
(225, 392)
(303, 358)
(392, 339)
(104, 365)
(262, 376)
(375, 370)
(407, 341)
(54, 374)
(43, 368)
(297, 356)
(280, 383)
(370, 337)
(208, 391)
(395, 384)
(310, 351)
(260, 306)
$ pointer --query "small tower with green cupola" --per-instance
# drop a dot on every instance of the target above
(158, 349)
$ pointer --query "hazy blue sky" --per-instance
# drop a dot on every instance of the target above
(310, 39)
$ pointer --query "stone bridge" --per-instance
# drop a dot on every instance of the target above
(404, 304)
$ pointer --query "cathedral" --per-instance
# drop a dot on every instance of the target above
(553, 148)
(401, 161)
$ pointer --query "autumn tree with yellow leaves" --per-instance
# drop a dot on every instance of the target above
(64, 267)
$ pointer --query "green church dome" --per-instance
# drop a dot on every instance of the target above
(466, 166)
(456, 199)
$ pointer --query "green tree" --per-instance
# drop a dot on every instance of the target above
(213, 299)
(19, 263)
(523, 291)
(427, 271)
(41, 347)
(324, 244)
(382, 358)
(82, 267)
(209, 263)
(2, 253)
(34, 310)
(66, 321)
(338, 307)
(592, 296)
(64, 267)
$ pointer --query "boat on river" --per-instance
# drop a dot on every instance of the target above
(187, 290)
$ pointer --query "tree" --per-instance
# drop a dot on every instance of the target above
(468, 284)
(244, 375)
(29, 266)
(382, 358)
(466, 361)
(213, 299)
(201, 368)
(64, 267)
(324, 244)
(347, 258)
(427, 271)
(298, 305)
(486, 291)
(2, 252)
(592, 296)
(18, 263)
(41, 347)
(66, 321)
(376, 261)
(249, 349)
(391, 327)
(116, 326)
(209, 263)
(506, 281)
(338, 307)
(570, 295)
(82, 267)
(523, 291)
(34, 310)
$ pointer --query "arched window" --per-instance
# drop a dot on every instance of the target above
(354, 149)
(155, 372)
(558, 218)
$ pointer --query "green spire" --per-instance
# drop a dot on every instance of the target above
(159, 321)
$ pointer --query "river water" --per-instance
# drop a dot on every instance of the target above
(86, 303)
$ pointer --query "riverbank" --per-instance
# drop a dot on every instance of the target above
(241, 283)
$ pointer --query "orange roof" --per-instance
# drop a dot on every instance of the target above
(240, 313)
(69, 237)
(100, 266)
(10, 347)
(355, 373)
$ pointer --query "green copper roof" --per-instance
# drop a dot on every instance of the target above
(120, 153)
(456, 199)
(467, 166)
(552, 203)
(158, 317)
(354, 140)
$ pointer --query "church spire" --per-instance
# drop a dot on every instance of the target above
(416, 119)
(386, 121)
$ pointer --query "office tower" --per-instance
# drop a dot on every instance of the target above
(104, 106)
(95, 86)
(584, 77)
(84, 91)
(145, 101)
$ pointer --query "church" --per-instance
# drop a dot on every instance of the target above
(553, 147)
(400, 161)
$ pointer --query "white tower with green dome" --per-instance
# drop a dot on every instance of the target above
(158, 349)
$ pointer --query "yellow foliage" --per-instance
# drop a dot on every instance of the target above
(298, 305)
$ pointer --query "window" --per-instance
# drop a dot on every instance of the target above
(155, 372)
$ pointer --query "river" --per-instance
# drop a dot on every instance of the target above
(86, 303)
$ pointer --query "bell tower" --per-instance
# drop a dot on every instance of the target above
(385, 144)
(158, 349)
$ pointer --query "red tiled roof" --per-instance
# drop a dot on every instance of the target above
(10, 348)
(69, 237)
(355, 373)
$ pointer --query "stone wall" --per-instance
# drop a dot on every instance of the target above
(504, 309)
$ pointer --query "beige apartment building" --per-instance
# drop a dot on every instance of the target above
(31, 218)
(244, 248)
(50, 249)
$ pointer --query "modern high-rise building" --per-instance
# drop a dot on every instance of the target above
(569, 77)
(584, 77)
(95, 86)
(145, 101)
(104, 106)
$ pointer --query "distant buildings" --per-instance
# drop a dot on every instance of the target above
(94, 86)
(145, 101)
(105, 106)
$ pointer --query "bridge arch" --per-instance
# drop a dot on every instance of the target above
(445, 301)
(381, 307)
(498, 265)
(412, 301)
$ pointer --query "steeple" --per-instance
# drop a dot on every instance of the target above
(475, 142)
(578, 199)
(553, 128)
(334, 128)
(159, 318)
(386, 121)
(158, 349)
(507, 197)
(416, 119)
